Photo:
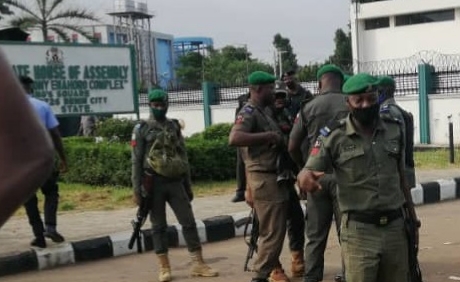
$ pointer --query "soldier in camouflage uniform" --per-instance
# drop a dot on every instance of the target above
(158, 152)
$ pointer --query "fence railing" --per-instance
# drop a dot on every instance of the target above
(445, 76)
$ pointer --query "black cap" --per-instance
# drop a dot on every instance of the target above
(25, 80)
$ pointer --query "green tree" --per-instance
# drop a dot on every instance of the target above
(228, 66)
(50, 16)
(289, 58)
(343, 55)
(308, 72)
(190, 70)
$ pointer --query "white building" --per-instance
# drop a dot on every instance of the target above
(398, 29)
(161, 47)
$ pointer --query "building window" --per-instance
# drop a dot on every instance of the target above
(428, 17)
(376, 23)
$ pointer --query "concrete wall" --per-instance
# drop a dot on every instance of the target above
(440, 107)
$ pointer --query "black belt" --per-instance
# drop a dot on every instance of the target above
(378, 218)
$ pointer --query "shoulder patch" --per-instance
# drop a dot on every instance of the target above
(331, 126)
(316, 148)
(239, 119)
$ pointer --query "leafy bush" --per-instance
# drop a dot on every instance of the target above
(217, 131)
(110, 163)
(113, 127)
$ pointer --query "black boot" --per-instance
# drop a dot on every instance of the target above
(238, 198)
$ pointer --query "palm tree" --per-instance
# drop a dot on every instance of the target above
(48, 16)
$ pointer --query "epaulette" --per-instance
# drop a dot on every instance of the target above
(140, 124)
(391, 119)
(385, 109)
(248, 109)
(386, 114)
(331, 126)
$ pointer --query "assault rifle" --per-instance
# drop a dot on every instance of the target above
(254, 236)
(411, 226)
(142, 212)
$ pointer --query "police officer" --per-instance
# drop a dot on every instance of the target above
(50, 188)
(261, 139)
(296, 93)
(240, 170)
(322, 205)
(296, 222)
(366, 154)
(388, 107)
(159, 155)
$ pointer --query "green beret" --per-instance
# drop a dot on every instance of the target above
(346, 77)
(359, 83)
(261, 78)
(157, 95)
(385, 81)
(327, 69)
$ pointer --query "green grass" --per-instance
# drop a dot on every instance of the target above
(436, 159)
(80, 197)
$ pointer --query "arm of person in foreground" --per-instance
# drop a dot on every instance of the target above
(26, 157)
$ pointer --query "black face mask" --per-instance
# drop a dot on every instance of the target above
(366, 116)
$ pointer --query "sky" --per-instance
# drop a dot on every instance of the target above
(309, 24)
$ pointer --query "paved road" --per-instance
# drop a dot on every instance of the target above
(16, 234)
(439, 257)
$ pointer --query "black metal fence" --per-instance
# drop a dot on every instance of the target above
(445, 80)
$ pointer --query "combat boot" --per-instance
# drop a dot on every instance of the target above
(165, 268)
(277, 275)
(297, 264)
(199, 268)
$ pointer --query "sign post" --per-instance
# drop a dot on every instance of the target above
(78, 79)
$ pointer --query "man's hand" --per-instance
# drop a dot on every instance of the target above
(307, 181)
(248, 197)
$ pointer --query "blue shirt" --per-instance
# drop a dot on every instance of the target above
(45, 113)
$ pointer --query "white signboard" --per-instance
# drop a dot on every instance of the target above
(78, 79)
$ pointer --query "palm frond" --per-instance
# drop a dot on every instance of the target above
(42, 7)
(53, 6)
(74, 14)
(24, 22)
(16, 4)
